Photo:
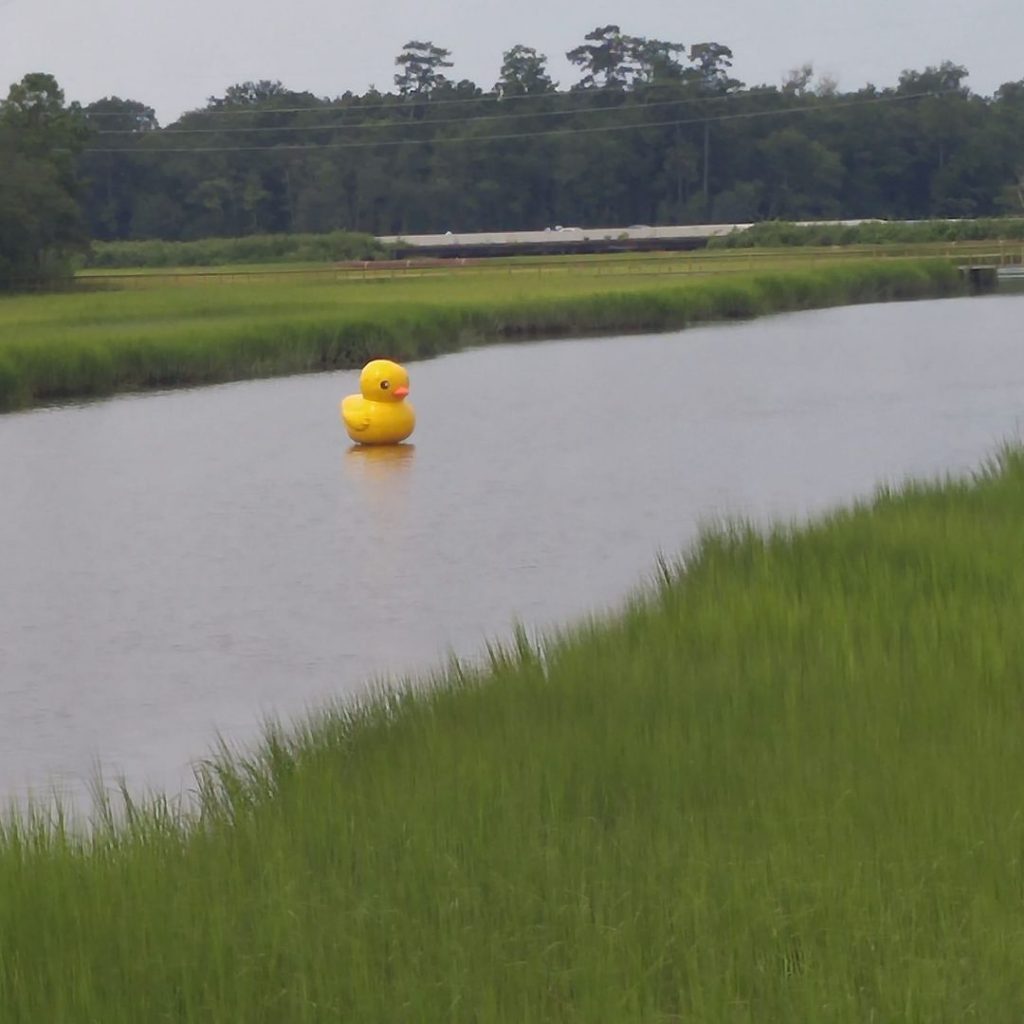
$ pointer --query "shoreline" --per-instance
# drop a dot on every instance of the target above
(170, 343)
(759, 782)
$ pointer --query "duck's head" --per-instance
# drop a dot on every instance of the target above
(384, 381)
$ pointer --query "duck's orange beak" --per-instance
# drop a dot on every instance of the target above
(400, 392)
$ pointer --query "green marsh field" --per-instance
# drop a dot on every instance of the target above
(781, 785)
(778, 785)
(118, 331)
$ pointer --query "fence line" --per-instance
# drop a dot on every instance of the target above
(703, 261)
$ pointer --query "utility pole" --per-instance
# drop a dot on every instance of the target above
(707, 139)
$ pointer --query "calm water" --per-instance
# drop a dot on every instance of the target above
(188, 563)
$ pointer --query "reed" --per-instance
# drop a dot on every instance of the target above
(212, 252)
(871, 232)
(66, 346)
(776, 787)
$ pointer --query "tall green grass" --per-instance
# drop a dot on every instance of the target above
(212, 252)
(784, 233)
(781, 785)
(72, 346)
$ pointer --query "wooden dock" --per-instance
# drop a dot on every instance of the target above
(982, 277)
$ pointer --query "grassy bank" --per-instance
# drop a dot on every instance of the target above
(782, 233)
(80, 345)
(780, 787)
(213, 252)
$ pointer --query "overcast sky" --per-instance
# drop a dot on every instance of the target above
(173, 54)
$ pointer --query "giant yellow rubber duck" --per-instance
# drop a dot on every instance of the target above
(380, 415)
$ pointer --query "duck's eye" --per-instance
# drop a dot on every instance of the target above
(384, 385)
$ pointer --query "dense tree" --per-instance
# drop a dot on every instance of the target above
(35, 114)
(655, 61)
(650, 133)
(41, 226)
(40, 223)
(1005, 131)
(802, 176)
(421, 64)
(711, 63)
(113, 114)
(524, 73)
(111, 181)
(250, 94)
(606, 59)
(946, 78)
(611, 60)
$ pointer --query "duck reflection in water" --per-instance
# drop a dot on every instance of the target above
(381, 476)
(379, 461)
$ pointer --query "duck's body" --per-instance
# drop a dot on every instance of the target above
(377, 422)
(380, 415)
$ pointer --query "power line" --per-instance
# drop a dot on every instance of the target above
(410, 101)
(509, 136)
(399, 103)
(403, 124)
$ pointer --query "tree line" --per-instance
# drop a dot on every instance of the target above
(652, 132)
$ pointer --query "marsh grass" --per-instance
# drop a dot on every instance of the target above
(209, 252)
(782, 784)
(65, 346)
(871, 232)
